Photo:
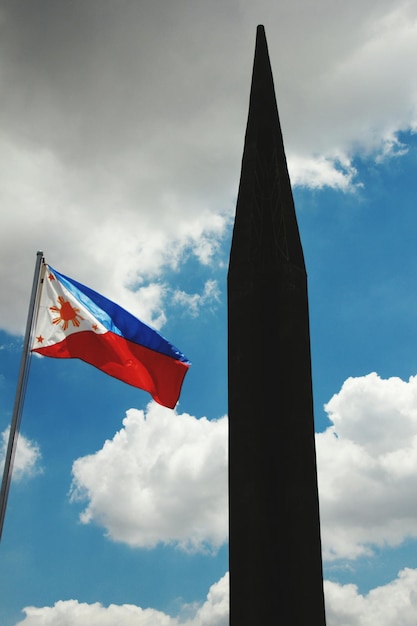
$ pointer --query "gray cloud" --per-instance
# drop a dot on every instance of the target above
(121, 128)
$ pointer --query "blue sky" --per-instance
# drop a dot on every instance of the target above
(121, 137)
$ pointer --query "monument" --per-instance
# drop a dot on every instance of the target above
(275, 547)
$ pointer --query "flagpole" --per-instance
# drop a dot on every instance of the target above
(20, 393)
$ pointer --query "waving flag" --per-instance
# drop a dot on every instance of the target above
(76, 322)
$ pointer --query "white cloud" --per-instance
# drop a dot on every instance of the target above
(116, 250)
(162, 478)
(319, 172)
(389, 605)
(367, 463)
(168, 474)
(27, 456)
(74, 613)
(194, 302)
(214, 612)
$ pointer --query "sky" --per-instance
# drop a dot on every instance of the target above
(121, 138)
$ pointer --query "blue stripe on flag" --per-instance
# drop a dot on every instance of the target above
(118, 320)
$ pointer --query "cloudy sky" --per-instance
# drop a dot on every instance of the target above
(121, 137)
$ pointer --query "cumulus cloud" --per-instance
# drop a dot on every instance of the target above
(168, 474)
(388, 605)
(161, 479)
(367, 463)
(27, 457)
(214, 612)
(74, 613)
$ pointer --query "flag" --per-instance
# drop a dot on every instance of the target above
(74, 321)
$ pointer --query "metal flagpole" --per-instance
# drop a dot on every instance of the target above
(20, 393)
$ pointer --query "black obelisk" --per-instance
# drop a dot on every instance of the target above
(275, 548)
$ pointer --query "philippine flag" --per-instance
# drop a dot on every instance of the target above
(76, 322)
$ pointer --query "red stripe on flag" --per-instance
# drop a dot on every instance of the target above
(131, 363)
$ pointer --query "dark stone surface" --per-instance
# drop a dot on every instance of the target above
(275, 549)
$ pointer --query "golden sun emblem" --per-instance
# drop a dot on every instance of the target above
(66, 314)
